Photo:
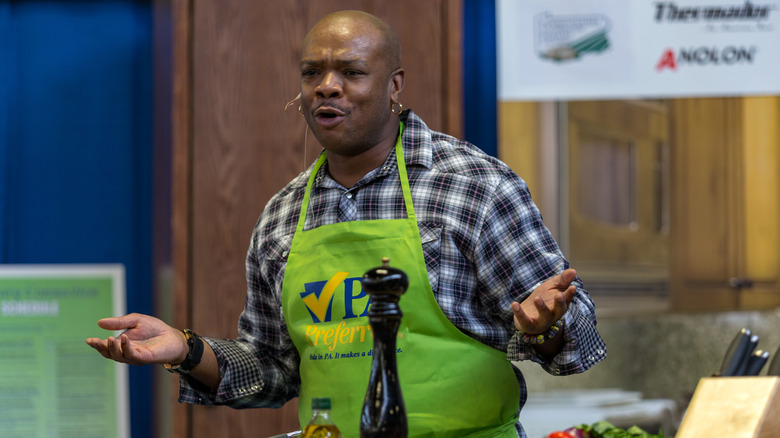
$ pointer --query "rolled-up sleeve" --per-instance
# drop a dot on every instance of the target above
(260, 367)
(518, 253)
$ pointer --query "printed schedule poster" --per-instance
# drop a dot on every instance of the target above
(52, 384)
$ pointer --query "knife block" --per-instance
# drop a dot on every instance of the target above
(734, 407)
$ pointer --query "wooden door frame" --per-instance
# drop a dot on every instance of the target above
(175, 29)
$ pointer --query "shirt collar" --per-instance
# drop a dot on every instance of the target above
(417, 141)
(417, 144)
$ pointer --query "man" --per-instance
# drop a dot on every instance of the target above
(487, 281)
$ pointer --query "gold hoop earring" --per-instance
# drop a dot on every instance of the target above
(400, 108)
(300, 110)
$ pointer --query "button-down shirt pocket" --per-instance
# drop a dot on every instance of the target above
(430, 235)
(274, 253)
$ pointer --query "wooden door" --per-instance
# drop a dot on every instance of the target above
(235, 66)
(725, 234)
(618, 195)
(706, 203)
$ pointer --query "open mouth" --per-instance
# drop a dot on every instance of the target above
(328, 115)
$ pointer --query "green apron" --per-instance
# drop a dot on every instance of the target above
(453, 385)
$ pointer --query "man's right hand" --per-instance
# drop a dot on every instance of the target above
(145, 340)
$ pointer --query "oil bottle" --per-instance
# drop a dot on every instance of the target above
(321, 425)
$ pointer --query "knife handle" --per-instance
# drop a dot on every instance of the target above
(746, 358)
(756, 361)
(736, 353)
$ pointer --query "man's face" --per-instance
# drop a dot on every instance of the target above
(346, 87)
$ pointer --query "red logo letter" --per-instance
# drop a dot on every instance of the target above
(667, 60)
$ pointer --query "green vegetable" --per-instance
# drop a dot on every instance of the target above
(604, 429)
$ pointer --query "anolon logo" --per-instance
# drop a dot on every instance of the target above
(729, 55)
(318, 296)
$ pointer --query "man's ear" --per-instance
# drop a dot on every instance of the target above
(396, 84)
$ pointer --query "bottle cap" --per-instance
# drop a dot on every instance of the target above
(320, 403)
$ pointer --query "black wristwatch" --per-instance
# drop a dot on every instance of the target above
(195, 343)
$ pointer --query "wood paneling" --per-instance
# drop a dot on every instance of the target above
(703, 206)
(725, 204)
(761, 168)
(235, 67)
(622, 177)
(181, 225)
(723, 249)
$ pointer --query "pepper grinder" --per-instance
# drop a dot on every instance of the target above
(384, 413)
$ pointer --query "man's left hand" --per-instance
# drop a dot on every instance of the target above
(546, 304)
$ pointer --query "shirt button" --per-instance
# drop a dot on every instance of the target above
(348, 195)
(600, 351)
(385, 168)
(591, 358)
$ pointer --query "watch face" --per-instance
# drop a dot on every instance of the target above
(174, 368)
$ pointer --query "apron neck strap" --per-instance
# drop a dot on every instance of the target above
(399, 157)
(401, 162)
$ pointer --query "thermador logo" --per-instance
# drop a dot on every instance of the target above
(671, 12)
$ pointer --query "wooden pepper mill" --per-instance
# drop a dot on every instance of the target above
(384, 413)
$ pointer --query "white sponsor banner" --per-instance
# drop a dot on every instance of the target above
(605, 49)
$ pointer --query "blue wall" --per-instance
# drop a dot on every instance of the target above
(480, 95)
(76, 145)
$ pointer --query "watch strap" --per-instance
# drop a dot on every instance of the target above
(194, 355)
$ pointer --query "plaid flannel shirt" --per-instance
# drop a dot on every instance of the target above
(484, 243)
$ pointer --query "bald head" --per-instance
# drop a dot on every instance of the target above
(351, 79)
(360, 24)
